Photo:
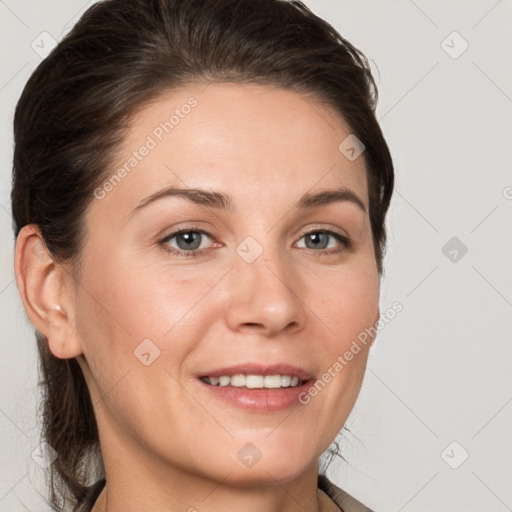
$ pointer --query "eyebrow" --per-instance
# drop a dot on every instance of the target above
(219, 200)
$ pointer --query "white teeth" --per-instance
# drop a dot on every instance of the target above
(254, 381)
(272, 381)
(238, 380)
(224, 380)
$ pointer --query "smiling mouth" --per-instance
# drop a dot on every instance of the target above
(253, 381)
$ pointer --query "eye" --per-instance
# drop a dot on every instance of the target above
(319, 241)
(189, 242)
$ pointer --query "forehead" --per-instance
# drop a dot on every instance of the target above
(251, 142)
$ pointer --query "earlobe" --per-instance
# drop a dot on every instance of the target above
(43, 292)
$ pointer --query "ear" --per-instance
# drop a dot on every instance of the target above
(46, 293)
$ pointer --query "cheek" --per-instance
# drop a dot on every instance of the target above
(127, 303)
(349, 307)
(143, 300)
(347, 302)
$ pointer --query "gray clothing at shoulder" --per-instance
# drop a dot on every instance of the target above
(344, 501)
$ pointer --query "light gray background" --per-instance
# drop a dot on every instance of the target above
(441, 370)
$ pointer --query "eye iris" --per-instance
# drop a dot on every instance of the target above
(318, 241)
(192, 240)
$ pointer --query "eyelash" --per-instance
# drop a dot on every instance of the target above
(346, 242)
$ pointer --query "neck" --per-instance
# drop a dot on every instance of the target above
(136, 487)
(252, 502)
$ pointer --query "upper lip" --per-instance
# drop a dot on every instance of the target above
(260, 369)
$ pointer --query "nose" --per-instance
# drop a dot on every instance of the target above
(264, 296)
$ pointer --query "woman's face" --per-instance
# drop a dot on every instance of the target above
(260, 283)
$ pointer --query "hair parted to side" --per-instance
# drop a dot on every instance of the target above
(74, 112)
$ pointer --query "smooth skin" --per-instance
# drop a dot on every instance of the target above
(167, 442)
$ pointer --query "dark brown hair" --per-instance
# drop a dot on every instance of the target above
(74, 113)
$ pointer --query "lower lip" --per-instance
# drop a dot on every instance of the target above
(259, 400)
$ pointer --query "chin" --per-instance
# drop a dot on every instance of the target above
(271, 472)
(264, 463)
